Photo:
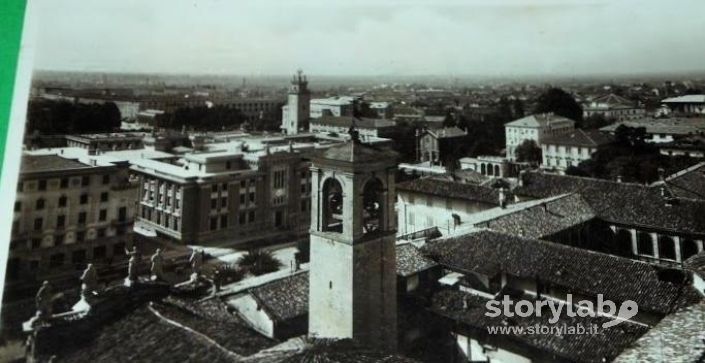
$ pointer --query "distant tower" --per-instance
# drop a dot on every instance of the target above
(352, 290)
(296, 113)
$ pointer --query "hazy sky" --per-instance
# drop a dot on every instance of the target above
(362, 37)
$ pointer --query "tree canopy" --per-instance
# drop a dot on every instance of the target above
(631, 158)
(220, 117)
(63, 117)
(560, 103)
(528, 151)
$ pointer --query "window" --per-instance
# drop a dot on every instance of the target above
(60, 221)
(645, 244)
(85, 181)
(224, 187)
(20, 186)
(42, 185)
(224, 202)
(214, 188)
(99, 253)
(224, 221)
(80, 236)
(38, 223)
(252, 197)
(82, 218)
(122, 214)
(101, 233)
(104, 196)
(214, 223)
(243, 184)
(62, 201)
(58, 240)
(251, 216)
(429, 201)
(56, 260)
(411, 218)
(242, 218)
(242, 198)
(18, 206)
(40, 204)
(214, 203)
(84, 198)
(102, 215)
(36, 242)
(666, 248)
(64, 183)
(106, 179)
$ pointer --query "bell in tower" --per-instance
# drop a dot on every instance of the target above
(353, 254)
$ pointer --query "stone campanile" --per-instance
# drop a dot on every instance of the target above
(353, 256)
(298, 112)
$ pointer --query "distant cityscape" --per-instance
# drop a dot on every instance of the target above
(357, 219)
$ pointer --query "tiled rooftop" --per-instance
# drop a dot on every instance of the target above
(40, 163)
(621, 203)
(451, 189)
(679, 337)
(411, 261)
(285, 298)
(578, 270)
(563, 347)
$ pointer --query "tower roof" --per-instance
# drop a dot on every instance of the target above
(356, 152)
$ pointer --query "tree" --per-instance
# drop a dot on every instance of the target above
(259, 262)
(595, 121)
(303, 250)
(560, 103)
(528, 151)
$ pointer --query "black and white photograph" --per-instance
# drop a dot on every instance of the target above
(404, 181)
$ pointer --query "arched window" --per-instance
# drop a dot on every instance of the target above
(496, 170)
(645, 243)
(332, 206)
(624, 243)
(483, 170)
(372, 205)
(666, 248)
(688, 248)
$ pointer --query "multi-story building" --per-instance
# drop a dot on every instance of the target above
(427, 203)
(226, 196)
(562, 151)
(105, 142)
(536, 128)
(435, 146)
(336, 106)
(611, 106)
(663, 130)
(368, 128)
(688, 104)
(68, 212)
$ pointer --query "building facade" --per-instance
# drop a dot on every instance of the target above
(536, 128)
(226, 196)
(563, 151)
(96, 143)
(335, 106)
(611, 106)
(68, 213)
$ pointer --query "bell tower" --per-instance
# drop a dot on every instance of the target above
(352, 291)
(296, 112)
